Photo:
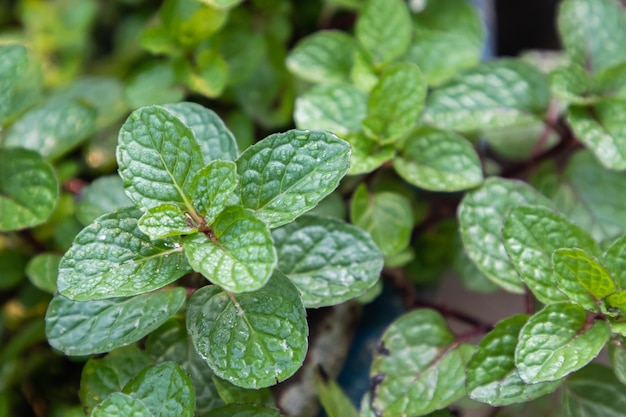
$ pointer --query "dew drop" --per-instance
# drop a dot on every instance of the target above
(102, 237)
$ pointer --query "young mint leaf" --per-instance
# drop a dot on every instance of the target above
(581, 277)
(481, 218)
(337, 108)
(104, 376)
(386, 216)
(158, 156)
(416, 369)
(112, 258)
(254, 339)
(164, 221)
(574, 85)
(593, 391)
(614, 305)
(28, 189)
(491, 374)
(212, 187)
(287, 174)
(121, 405)
(438, 160)
(557, 341)
(480, 98)
(244, 410)
(367, 153)
(325, 56)
(89, 327)
(42, 270)
(334, 401)
(328, 260)
(531, 234)
(140, 89)
(13, 60)
(615, 261)
(617, 357)
(239, 256)
(102, 196)
(215, 139)
(384, 29)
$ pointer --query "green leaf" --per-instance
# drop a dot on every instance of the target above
(112, 258)
(104, 195)
(13, 60)
(191, 21)
(594, 391)
(384, 29)
(88, 327)
(601, 129)
(417, 370)
(158, 157)
(325, 56)
(574, 85)
(238, 256)
(244, 410)
(557, 341)
(215, 139)
(333, 399)
(212, 187)
(491, 374)
(42, 270)
(581, 277)
(140, 88)
(222, 4)
(617, 357)
(254, 339)
(337, 108)
(164, 221)
(28, 189)
(367, 154)
(615, 261)
(165, 389)
(614, 305)
(287, 174)
(12, 265)
(481, 98)
(230, 393)
(386, 216)
(121, 405)
(438, 160)
(327, 259)
(481, 218)
(531, 234)
(104, 376)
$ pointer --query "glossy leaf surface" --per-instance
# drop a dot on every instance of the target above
(164, 221)
(211, 188)
(384, 29)
(593, 391)
(121, 405)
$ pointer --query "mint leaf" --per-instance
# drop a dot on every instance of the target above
(557, 341)
(212, 187)
(384, 29)
(287, 174)
(112, 258)
(239, 257)
(164, 221)
(417, 370)
(574, 85)
(121, 405)
(102, 196)
(325, 56)
(481, 218)
(244, 410)
(215, 139)
(13, 60)
(89, 327)
(367, 153)
(480, 98)
(28, 189)
(230, 393)
(328, 260)
(334, 401)
(615, 261)
(254, 339)
(617, 357)
(438, 160)
(491, 374)
(593, 391)
(531, 234)
(158, 156)
(140, 89)
(42, 270)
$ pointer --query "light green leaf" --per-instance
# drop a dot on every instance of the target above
(112, 258)
(581, 277)
(573, 85)
(593, 391)
(42, 270)
(557, 341)
(104, 376)
(491, 374)
(254, 339)
(325, 56)
(104, 195)
(601, 129)
(617, 357)
(367, 154)
(417, 370)
(158, 157)
(384, 29)
(337, 108)
(140, 88)
(230, 393)
(164, 221)
(215, 139)
(238, 254)
(531, 234)
(191, 21)
(89, 327)
(386, 216)
(13, 61)
(165, 389)
(334, 401)
(483, 97)
(28, 189)
(212, 187)
(520, 142)
(438, 160)
(614, 305)
(208, 75)
(222, 4)
(287, 174)
(481, 217)
(327, 259)
(615, 261)
(244, 410)
(121, 405)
